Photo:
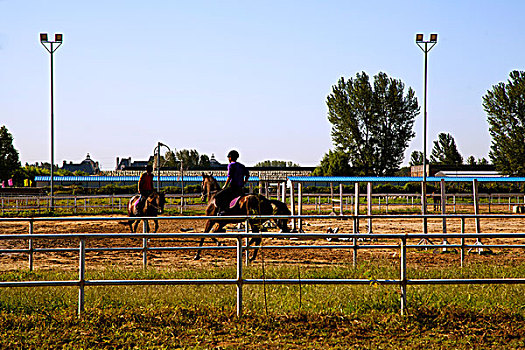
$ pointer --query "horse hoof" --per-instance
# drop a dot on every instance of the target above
(196, 257)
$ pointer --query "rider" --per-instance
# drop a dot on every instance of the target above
(145, 186)
(238, 175)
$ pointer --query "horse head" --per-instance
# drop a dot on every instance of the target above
(155, 203)
(209, 187)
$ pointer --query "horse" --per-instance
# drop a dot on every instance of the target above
(246, 205)
(209, 187)
(153, 206)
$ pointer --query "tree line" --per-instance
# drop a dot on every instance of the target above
(372, 124)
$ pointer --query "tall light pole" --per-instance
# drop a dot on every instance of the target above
(426, 46)
(51, 47)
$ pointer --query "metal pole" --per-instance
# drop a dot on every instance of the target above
(81, 276)
(31, 230)
(52, 132)
(144, 245)
(239, 276)
(403, 272)
(158, 167)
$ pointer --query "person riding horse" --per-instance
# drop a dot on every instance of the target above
(237, 177)
(145, 186)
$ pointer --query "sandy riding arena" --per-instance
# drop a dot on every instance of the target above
(319, 257)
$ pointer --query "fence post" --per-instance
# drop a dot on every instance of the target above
(356, 208)
(292, 205)
(144, 245)
(341, 212)
(81, 276)
(403, 277)
(462, 253)
(300, 205)
(369, 204)
(443, 209)
(31, 230)
(239, 276)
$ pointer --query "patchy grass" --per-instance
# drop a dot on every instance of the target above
(290, 316)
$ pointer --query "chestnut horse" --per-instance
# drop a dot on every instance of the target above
(246, 205)
(153, 206)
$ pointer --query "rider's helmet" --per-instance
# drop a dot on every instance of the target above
(149, 168)
(233, 154)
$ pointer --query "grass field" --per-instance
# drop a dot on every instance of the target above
(310, 317)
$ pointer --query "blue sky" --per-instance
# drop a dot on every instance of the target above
(249, 75)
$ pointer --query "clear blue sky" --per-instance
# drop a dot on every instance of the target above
(249, 75)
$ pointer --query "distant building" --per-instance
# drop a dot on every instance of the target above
(87, 165)
(440, 170)
(127, 164)
(214, 163)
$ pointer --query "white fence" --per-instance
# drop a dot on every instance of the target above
(352, 241)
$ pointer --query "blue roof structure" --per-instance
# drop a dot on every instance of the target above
(130, 178)
(352, 179)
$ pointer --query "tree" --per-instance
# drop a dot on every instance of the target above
(445, 151)
(471, 160)
(276, 164)
(9, 161)
(372, 125)
(336, 163)
(505, 107)
(416, 158)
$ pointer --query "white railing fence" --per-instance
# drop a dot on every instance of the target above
(352, 241)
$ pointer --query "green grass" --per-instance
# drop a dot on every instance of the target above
(291, 316)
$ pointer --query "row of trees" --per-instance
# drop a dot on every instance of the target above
(372, 124)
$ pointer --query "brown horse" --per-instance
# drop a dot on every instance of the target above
(153, 206)
(246, 205)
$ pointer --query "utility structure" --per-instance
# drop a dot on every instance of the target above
(51, 46)
(425, 46)
(157, 151)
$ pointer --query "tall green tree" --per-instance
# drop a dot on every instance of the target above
(334, 163)
(416, 158)
(372, 124)
(9, 160)
(505, 107)
(445, 151)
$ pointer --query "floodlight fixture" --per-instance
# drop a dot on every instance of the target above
(51, 47)
(433, 38)
(419, 38)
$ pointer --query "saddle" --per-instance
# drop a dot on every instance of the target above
(234, 201)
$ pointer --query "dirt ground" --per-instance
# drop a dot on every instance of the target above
(180, 259)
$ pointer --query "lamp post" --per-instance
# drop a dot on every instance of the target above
(51, 46)
(426, 46)
(157, 150)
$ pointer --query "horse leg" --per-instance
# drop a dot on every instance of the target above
(130, 224)
(136, 225)
(256, 241)
(156, 224)
(198, 254)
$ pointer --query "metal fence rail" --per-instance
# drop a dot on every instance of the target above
(403, 281)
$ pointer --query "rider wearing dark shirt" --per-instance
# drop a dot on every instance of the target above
(238, 175)
(145, 186)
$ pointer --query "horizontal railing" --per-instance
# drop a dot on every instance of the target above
(355, 238)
